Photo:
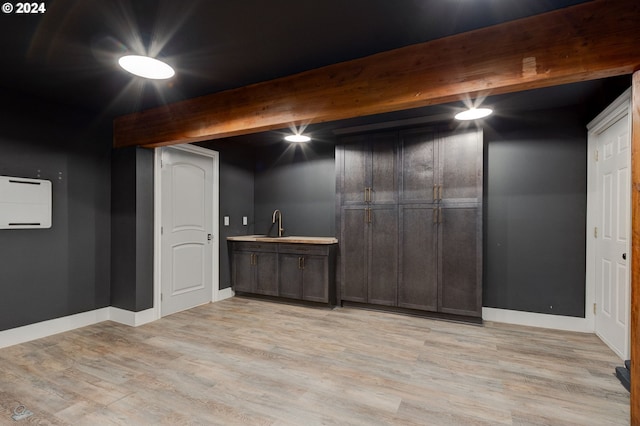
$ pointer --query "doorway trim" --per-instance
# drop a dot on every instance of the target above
(217, 294)
(618, 109)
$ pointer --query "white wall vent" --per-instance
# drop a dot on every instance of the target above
(24, 203)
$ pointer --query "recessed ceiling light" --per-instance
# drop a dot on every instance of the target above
(146, 67)
(297, 138)
(473, 113)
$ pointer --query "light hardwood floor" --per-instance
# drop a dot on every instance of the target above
(244, 361)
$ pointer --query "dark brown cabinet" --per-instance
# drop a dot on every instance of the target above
(369, 254)
(369, 218)
(441, 167)
(460, 261)
(293, 271)
(417, 282)
(372, 170)
(304, 272)
(254, 269)
(420, 248)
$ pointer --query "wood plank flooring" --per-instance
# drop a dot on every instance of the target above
(253, 362)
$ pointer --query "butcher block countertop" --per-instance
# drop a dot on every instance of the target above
(291, 239)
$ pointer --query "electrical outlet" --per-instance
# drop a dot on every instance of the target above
(244, 221)
(226, 221)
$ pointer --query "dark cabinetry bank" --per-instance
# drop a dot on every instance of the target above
(410, 220)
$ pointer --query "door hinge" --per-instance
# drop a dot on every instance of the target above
(595, 232)
(161, 297)
(594, 309)
(595, 155)
(161, 230)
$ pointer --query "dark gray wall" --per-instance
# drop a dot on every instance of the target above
(51, 273)
(299, 180)
(536, 213)
(236, 197)
(132, 229)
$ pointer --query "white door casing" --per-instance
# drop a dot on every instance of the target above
(608, 234)
(188, 240)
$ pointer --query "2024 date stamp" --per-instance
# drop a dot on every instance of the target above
(24, 8)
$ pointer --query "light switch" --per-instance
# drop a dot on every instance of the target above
(226, 221)
(244, 220)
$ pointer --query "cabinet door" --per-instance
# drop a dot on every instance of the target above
(418, 278)
(383, 169)
(355, 169)
(315, 282)
(417, 169)
(353, 259)
(266, 273)
(290, 276)
(243, 271)
(383, 255)
(461, 167)
(460, 261)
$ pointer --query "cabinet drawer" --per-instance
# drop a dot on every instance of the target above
(304, 249)
(248, 246)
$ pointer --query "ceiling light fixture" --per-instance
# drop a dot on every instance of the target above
(297, 138)
(146, 67)
(473, 113)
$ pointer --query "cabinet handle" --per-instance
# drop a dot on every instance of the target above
(440, 192)
(369, 216)
(367, 194)
(302, 259)
(435, 192)
(435, 215)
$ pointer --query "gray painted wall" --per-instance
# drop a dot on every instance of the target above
(132, 229)
(51, 273)
(536, 213)
(299, 180)
(236, 197)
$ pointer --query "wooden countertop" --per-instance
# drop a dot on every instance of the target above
(291, 239)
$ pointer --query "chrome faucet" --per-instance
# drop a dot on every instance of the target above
(278, 213)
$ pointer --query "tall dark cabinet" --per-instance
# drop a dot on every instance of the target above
(369, 219)
(410, 220)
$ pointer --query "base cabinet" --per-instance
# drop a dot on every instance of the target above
(254, 269)
(369, 254)
(417, 281)
(460, 261)
(293, 271)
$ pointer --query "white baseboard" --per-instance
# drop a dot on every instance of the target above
(42, 329)
(132, 319)
(556, 322)
(225, 293)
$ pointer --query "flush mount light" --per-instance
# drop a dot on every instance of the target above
(297, 138)
(473, 113)
(146, 67)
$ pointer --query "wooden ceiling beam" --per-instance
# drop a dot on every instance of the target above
(589, 41)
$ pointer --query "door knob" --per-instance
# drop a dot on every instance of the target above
(209, 237)
(624, 256)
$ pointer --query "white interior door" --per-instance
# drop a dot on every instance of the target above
(613, 237)
(187, 228)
